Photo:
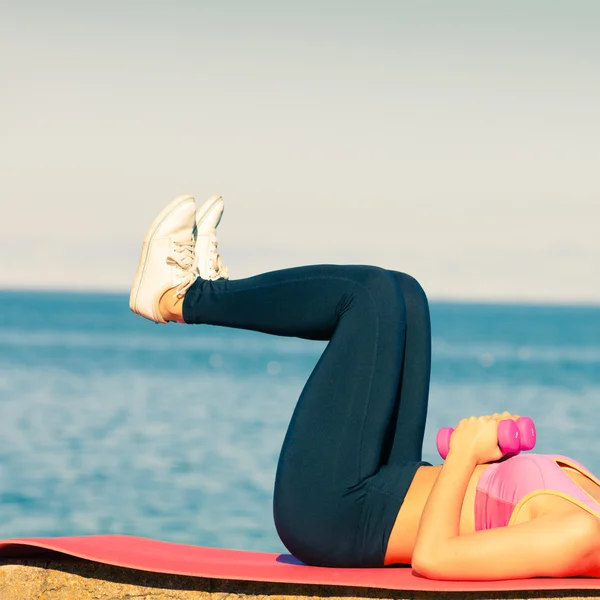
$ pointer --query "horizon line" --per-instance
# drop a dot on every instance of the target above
(435, 299)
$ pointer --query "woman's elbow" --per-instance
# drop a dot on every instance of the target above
(586, 546)
(426, 565)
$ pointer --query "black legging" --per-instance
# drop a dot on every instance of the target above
(355, 439)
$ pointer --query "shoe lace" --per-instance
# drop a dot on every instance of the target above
(216, 268)
(185, 261)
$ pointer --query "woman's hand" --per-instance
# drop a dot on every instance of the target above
(477, 438)
(504, 415)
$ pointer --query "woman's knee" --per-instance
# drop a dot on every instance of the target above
(411, 288)
(382, 291)
(378, 281)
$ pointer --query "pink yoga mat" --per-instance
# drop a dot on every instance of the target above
(179, 559)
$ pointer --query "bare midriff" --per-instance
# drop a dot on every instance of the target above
(404, 533)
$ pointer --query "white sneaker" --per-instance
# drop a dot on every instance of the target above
(168, 258)
(208, 217)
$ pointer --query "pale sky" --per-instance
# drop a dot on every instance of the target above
(457, 141)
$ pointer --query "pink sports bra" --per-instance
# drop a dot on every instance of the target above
(504, 487)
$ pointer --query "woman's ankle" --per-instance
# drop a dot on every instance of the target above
(171, 306)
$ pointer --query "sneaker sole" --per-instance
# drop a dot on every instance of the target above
(164, 214)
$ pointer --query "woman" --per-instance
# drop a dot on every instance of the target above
(351, 489)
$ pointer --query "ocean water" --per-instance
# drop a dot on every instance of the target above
(112, 424)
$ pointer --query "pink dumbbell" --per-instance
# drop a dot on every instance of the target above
(527, 434)
(513, 436)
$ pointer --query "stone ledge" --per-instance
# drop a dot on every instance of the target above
(65, 579)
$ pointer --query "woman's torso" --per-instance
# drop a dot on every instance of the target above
(402, 538)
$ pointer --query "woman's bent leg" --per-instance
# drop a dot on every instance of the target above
(336, 439)
(406, 439)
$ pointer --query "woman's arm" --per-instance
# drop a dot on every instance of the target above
(440, 520)
(555, 545)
